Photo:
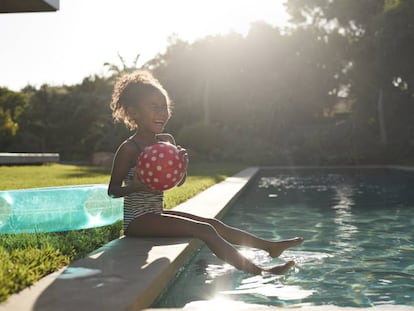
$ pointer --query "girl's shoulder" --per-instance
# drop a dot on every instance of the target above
(127, 153)
(129, 146)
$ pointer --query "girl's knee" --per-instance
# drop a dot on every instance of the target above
(206, 230)
(213, 222)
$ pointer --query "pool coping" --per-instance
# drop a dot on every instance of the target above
(129, 274)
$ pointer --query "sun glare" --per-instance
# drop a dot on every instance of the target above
(196, 19)
(221, 303)
(109, 27)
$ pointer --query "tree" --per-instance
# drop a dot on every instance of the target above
(11, 106)
(378, 69)
(72, 120)
(117, 70)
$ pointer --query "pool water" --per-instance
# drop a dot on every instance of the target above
(358, 249)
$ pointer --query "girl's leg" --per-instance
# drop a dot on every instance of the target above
(153, 225)
(240, 237)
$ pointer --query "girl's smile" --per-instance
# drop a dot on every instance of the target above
(153, 113)
(160, 124)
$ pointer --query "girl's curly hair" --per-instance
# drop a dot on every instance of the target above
(129, 90)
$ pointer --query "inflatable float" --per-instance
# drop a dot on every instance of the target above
(54, 209)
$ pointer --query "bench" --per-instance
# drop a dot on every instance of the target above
(13, 158)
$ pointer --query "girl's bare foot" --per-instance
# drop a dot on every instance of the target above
(281, 269)
(278, 247)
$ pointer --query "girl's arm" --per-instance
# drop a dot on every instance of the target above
(125, 155)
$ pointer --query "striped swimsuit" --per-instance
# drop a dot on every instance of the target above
(140, 203)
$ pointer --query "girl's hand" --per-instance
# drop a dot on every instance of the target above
(184, 152)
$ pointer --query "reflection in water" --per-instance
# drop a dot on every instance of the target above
(268, 286)
(220, 303)
(343, 218)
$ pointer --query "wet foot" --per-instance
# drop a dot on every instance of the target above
(279, 247)
(281, 269)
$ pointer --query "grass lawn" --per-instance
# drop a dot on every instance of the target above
(33, 176)
(25, 258)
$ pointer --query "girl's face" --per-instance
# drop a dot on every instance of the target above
(153, 113)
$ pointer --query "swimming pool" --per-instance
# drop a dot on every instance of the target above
(358, 249)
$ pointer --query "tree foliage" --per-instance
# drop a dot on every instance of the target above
(11, 106)
(72, 120)
(378, 70)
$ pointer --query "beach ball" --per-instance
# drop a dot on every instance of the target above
(161, 166)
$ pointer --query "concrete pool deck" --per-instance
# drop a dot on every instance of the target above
(129, 274)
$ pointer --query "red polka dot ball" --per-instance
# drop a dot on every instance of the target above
(161, 166)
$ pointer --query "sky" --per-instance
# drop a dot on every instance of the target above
(65, 46)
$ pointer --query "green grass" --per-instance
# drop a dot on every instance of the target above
(26, 258)
(22, 177)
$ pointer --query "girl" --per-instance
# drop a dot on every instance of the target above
(143, 105)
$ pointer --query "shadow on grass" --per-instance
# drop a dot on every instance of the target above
(196, 169)
(86, 171)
